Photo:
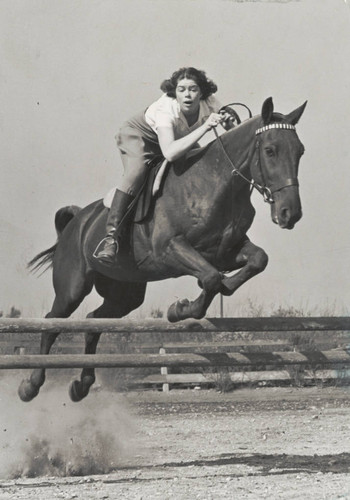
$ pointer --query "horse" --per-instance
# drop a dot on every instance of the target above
(197, 226)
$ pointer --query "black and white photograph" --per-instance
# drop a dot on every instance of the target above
(175, 249)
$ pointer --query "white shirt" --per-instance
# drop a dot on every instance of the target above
(165, 112)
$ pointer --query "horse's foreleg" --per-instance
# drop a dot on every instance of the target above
(182, 257)
(184, 308)
(252, 260)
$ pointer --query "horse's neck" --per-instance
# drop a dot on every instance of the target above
(214, 167)
(239, 143)
(230, 194)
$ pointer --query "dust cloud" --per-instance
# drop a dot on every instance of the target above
(51, 436)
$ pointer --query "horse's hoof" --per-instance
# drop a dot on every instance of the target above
(200, 284)
(172, 313)
(175, 311)
(75, 391)
(27, 391)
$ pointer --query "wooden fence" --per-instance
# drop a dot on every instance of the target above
(268, 324)
(200, 352)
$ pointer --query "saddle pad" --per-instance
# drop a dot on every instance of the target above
(150, 190)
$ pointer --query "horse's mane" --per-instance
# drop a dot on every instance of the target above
(241, 129)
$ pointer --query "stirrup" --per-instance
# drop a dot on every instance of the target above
(97, 249)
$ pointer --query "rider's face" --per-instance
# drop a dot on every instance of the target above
(188, 96)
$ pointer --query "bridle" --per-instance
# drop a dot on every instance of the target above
(266, 192)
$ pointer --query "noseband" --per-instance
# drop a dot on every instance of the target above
(265, 191)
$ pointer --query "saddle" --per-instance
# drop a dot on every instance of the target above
(150, 189)
(152, 186)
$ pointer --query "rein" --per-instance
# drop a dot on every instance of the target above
(266, 192)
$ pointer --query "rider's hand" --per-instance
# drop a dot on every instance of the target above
(228, 119)
(213, 121)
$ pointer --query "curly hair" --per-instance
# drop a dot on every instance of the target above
(207, 87)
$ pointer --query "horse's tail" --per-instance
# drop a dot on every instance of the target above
(45, 258)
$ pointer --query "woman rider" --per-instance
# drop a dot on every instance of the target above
(169, 128)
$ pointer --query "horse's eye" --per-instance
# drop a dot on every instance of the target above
(269, 151)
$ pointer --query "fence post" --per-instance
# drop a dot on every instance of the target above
(164, 371)
(19, 350)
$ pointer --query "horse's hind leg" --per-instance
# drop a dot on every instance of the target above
(66, 302)
(79, 389)
(120, 298)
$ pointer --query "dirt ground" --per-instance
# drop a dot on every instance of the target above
(275, 443)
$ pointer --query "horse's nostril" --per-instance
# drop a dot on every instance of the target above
(284, 214)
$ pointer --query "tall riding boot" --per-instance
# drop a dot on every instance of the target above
(111, 242)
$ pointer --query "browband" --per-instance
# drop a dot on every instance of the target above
(287, 126)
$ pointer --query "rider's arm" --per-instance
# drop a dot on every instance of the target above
(173, 149)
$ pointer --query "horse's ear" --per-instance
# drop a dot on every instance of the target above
(267, 111)
(295, 115)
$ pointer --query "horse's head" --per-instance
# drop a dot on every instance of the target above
(276, 169)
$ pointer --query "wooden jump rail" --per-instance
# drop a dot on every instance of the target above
(268, 324)
(273, 359)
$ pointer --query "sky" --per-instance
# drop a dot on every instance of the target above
(72, 71)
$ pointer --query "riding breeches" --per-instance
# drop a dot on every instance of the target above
(139, 148)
